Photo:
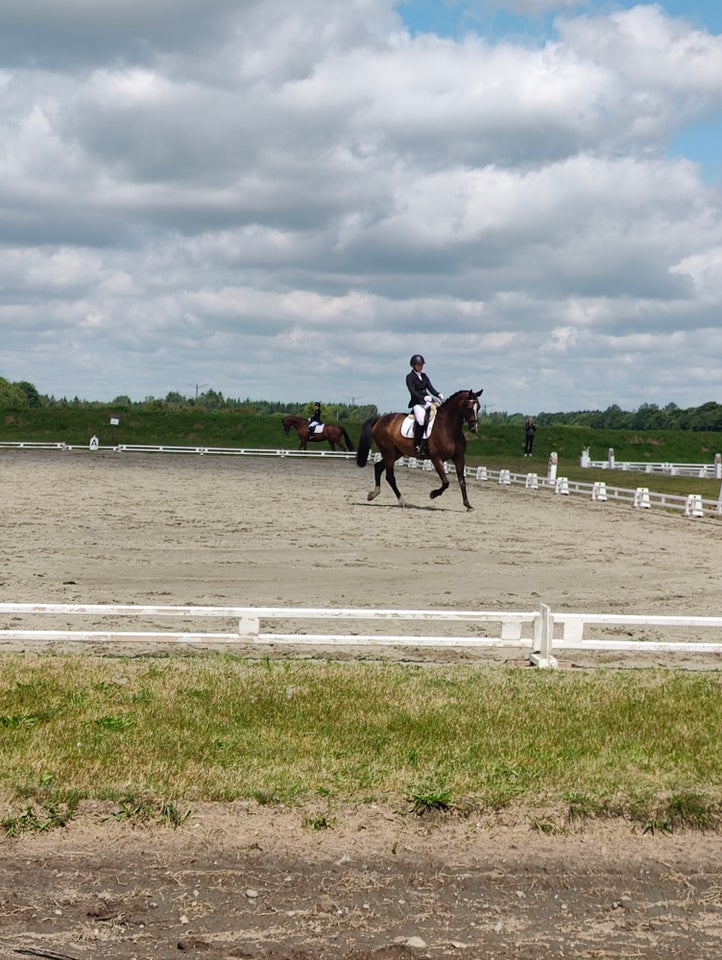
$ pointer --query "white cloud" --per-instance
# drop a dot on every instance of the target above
(282, 199)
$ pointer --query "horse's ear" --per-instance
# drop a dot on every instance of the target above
(478, 392)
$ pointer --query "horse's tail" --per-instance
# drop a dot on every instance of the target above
(346, 439)
(364, 443)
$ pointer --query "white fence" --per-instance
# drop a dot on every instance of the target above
(705, 471)
(539, 634)
(692, 505)
(171, 448)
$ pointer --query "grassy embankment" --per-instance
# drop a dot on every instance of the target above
(153, 736)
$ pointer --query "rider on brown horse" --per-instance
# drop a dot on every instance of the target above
(315, 418)
(422, 393)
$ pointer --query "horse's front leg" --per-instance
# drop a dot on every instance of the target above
(459, 464)
(439, 467)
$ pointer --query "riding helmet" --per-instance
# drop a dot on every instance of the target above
(417, 358)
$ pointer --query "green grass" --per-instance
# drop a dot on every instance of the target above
(153, 737)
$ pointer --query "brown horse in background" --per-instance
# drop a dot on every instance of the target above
(334, 435)
(446, 442)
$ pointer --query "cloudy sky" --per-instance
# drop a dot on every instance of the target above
(285, 199)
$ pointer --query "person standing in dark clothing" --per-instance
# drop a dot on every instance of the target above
(529, 431)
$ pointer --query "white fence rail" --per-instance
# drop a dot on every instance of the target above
(541, 634)
(171, 448)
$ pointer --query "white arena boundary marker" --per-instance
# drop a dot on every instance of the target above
(541, 633)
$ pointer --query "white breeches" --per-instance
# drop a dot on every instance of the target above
(420, 412)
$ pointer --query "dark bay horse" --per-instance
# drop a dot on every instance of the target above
(446, 442)
(336, 436)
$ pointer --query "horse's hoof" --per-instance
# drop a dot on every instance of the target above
(469, 508)
(373, 494)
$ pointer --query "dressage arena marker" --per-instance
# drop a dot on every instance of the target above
(541, 632)
(641, 498)
(599, 491)
(532, 481)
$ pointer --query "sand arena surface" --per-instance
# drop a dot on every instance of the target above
(241, 531)
(244, 881)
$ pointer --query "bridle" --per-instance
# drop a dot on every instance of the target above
(471, 416)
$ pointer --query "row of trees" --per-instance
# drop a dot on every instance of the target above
(707, 417)
(23, 395)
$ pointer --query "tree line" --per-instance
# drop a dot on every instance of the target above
(24, 395)
(706, 417)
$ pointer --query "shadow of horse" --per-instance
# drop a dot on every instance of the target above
(446, 442)
(334, 435)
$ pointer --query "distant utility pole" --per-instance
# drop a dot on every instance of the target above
(198, 387)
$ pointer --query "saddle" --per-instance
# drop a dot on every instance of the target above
(407, 424)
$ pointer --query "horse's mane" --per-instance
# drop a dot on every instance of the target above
(454, 396)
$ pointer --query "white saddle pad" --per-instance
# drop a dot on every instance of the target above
(407, 426)
(317, 428)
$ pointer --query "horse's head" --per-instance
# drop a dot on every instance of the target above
(471, 409)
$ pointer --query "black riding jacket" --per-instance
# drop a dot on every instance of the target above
(419, 386)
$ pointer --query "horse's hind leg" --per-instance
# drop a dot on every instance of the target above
(378, 470)
(391, 480)
(459, 464)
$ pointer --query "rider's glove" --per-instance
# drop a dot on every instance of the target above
(428, 398)
(441, 397)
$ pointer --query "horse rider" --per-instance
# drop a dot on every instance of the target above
(315, 418)
(422, 394)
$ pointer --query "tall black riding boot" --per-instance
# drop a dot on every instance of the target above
(419, 444)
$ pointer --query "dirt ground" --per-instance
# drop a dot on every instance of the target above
(245, 881)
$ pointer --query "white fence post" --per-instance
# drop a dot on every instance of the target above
(693, 507)
(610, 458)
(532, 481)
(599, 490)
(585, 459)
(248, 628)
(505, 477)
(541, 656)
(552, 469)
(718, 466)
